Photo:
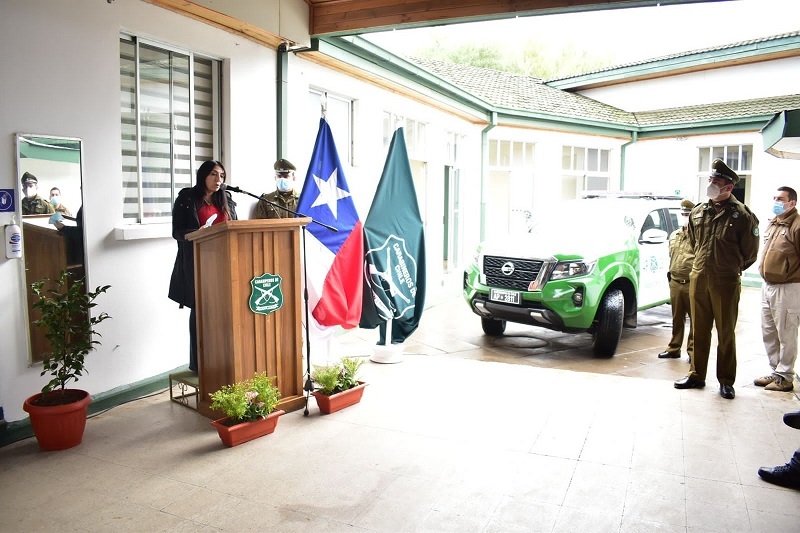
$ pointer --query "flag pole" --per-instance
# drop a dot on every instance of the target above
(309, 385)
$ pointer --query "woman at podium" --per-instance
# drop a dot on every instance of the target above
(199, 206)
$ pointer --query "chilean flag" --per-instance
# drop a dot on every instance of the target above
(334, 259)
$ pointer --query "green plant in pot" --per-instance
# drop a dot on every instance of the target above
(65, 308)
(338, 384)
(249, 409)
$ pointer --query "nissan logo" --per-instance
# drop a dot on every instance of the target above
(507, 268)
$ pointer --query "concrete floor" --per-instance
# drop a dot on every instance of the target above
(526, 432)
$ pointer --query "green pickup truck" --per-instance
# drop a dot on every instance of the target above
(589, 266)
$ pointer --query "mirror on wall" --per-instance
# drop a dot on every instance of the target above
(49, 178)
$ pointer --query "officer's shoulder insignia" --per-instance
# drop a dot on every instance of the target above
(735, 214)
(755, 231)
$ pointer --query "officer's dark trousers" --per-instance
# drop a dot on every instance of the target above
(714, 301)
(681, 306)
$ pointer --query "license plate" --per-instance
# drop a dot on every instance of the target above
(507, 297)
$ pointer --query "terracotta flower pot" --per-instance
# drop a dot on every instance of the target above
(58, 427)
(340, 400)
(235, 434)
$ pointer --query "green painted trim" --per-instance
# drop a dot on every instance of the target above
(21, 429)
(665, 65)
(750, 279)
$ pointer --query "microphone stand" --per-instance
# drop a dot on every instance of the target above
(308, 387)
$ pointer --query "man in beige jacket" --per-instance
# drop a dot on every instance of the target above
(780, 295)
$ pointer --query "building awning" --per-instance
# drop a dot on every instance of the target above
(781, 135)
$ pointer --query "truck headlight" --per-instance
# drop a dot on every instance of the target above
(571, 269)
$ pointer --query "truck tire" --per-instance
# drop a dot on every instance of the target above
(493, 327)
(607, 328)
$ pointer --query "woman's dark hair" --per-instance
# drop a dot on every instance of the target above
(219, 198)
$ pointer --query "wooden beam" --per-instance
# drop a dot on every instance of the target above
(222, 21)
(343, 16)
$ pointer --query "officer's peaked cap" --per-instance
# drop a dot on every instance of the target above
(720, 170)
(283, 165)
(29, 178)
(686, 205)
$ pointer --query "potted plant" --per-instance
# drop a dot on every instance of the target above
(338, 384)
(249, 408)
(58, 414)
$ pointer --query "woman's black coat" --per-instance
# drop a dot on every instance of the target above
(185, 220)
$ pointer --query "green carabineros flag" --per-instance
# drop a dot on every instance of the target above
(394, 250)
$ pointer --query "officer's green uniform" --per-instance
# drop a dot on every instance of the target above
(288, 199)
(36, 206)
(725, 242)
(283, 199)
(681, 257)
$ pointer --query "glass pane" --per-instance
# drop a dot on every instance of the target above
(592, 159)
(505, 154)
(130, 180)
(566, 158)
(604, 154)
(717, 152)
(747, 158)
(596, 183)
(704, 160)
(387, 129)
(420, 151)
(529, 154)
(519, 159)
(493, 153)
(411, 137)
(579, 159)
(732, 159)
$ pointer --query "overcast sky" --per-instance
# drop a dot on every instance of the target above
(626, 35)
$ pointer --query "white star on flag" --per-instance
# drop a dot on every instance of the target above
(329, 192)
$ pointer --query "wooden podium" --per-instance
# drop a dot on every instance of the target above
(234, 341)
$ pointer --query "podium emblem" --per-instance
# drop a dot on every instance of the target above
(266, 295)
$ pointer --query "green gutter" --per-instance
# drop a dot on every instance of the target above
(622, 154)
(485, 172)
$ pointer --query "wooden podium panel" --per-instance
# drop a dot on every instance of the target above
(233, 341)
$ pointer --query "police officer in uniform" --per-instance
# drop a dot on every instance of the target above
(681, 257)
(32, 203)
(724, 235)
(284, 195)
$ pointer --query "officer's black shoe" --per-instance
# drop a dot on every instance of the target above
(689, 383)
(669, 355)
(792, 419)
(727, 392)
(783, 475)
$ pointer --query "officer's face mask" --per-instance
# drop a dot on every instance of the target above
(683, 220)
(284, 184)
(29, 190)
(54, 200)
(713, 190)
(778, 207)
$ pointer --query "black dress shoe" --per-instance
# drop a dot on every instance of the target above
(727, 392)
(783, 475)
(669, 355)
(689, 383)
(792, 419)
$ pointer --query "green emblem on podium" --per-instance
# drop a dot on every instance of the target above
(266, 296)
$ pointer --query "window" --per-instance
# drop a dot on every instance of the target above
(586, 169)
(339, 114)
(414, 133)
(739, 157)
(510, 154)
(169, 104)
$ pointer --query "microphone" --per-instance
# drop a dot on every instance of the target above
(233, 188)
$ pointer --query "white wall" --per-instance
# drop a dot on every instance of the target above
(771, 78)
(61, 77)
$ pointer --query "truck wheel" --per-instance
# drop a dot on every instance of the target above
(493, 327)
(607, 328)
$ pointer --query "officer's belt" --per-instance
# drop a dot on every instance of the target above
(681, 281)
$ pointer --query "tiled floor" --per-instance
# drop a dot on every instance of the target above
(526, 432)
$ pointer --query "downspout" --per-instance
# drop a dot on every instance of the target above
(623, 148)
(485, 170)
(282, 92)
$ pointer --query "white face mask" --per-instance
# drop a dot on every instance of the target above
(713, 190)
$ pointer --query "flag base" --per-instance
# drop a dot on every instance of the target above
(392, 353)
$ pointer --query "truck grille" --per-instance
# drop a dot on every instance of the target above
(525, 271)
